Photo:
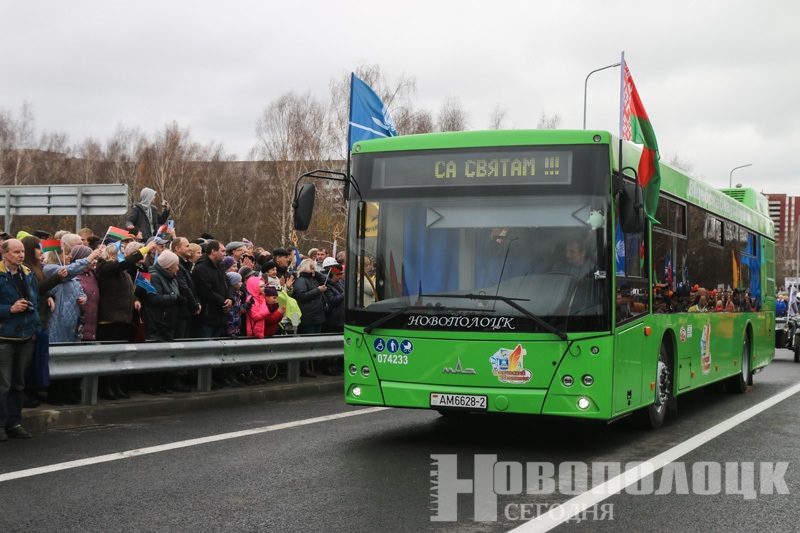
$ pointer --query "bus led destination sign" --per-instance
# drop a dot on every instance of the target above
(448, 168)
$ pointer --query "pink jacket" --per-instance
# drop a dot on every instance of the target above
(260, 321)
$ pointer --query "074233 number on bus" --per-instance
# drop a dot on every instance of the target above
(466, 401)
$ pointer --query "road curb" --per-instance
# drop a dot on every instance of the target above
(144, 406)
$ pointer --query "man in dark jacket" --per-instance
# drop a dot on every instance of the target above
(19, 321)
(212, 290)
(180, 245)
(144, 215)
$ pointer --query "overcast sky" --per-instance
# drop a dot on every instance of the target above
(719, 79)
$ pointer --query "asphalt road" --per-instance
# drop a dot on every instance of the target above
(284, 466)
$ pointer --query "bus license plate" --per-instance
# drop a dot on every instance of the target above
(463, 401)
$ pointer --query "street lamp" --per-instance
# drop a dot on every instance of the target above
(730, 182)
(586, 84)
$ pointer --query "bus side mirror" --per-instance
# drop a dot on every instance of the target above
(631, 207)
(304, 206)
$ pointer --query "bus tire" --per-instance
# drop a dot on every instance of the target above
(738, 384)
(797, 352)
(654, 415)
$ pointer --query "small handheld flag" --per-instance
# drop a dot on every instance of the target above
(50, 245)
(143, 281)
(119, 233)
(120, 253)
(161, 231)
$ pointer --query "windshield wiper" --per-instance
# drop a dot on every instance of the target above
(512, 302)
(397, 312)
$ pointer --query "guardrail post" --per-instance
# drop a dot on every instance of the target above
(293, 371)
(204, 379)
(89, 390)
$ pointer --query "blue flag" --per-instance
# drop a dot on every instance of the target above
(369, 118)
(143, 281)
(297, 258)
(120, 253)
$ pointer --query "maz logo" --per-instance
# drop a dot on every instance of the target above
(458, 369)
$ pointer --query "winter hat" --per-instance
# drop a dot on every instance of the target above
(269, 290)
(22, 234)
(233, 278)
(246, 272)
(280, 252)
(269, 265)
(228, 262)
(167, 259)
(231, 246)
(79, 252)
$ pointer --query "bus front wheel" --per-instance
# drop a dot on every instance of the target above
(654, 414)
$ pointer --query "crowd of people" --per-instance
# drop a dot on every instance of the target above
(147, 283)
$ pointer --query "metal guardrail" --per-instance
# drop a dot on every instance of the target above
(92, 360)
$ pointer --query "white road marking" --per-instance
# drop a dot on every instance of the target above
(578, 504)
(180, 444)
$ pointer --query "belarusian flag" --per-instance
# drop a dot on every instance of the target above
(51, 245)
(636, 127)
(119, 233)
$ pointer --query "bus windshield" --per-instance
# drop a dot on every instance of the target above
(493, 263)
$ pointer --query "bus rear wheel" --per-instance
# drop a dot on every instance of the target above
(738, 384)
(655, 414)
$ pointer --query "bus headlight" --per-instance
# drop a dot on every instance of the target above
(567, 380)
(583, 403)
(356, 391)
(588, 380)
(353, 370)
(365, 371)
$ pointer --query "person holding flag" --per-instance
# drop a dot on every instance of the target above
(115, 269)
(145, 216)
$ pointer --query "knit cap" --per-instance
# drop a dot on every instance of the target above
(167, 259)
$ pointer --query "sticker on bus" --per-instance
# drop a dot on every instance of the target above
(507, 365)
(464, 401)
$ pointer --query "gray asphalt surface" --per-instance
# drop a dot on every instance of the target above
(372, 472)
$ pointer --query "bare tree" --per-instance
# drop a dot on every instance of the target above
(292, 140)
(16, 146)
(168, 164)
(676, 161)
(121, 154)
(498, 118)
(452, 116)
(412, 122)
(547, 122)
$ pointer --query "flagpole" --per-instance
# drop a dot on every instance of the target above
(621, 109)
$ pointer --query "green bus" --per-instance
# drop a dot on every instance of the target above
(515, 272)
